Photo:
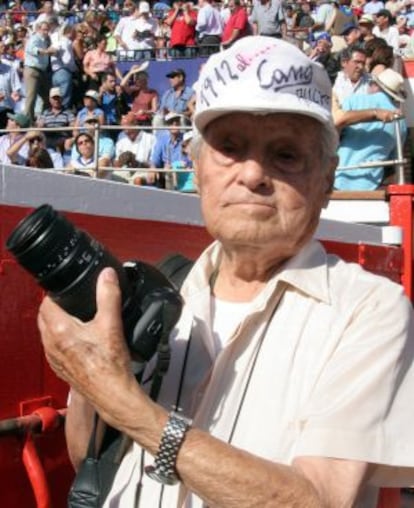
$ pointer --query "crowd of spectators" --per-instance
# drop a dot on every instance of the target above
(59, 68)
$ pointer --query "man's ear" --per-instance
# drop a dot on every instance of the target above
(329, 180)
(196, 181)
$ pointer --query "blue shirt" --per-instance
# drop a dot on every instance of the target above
(31, 53)
(108, 103)
(166, 151)
(178, 104)
(185, 181)
(83, 114)
(365, 142)
(106, 148)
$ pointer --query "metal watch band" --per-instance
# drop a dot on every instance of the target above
(163, 470)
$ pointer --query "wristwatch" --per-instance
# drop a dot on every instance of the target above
(163, 470)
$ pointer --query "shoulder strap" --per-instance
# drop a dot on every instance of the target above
(176, 268)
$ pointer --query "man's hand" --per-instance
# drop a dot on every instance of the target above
(92, 357)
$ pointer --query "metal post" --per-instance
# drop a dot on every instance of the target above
(96, 148)
(400, 177)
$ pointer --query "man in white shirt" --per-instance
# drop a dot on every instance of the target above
(386, 29)
(63, 63)
(138, 141)
(300, 402)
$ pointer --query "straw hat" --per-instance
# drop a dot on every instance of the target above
(392, 83)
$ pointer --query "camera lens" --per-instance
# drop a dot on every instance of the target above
(65, 261)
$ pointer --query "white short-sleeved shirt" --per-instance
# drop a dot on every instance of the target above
(333, 352)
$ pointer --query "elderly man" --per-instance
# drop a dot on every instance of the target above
(353, 78)
(296, 367)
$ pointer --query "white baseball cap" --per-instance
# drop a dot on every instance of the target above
(144, 8)
(262, 75)
(93, 94)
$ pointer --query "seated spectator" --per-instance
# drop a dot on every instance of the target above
(139, 142)
(91, 109)
(39, 158)
(384, 28)
(182, 19)
(167, 150)
(322, 53)
(56, 116)
(126, 161)
(366, 25)
(144, 100)
(370, 141)
(106, 146)
(352, 35)
(175, 99)
(32, 140)
(15, 122)
(84, 163)
(184, 177)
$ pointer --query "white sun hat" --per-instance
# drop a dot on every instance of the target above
(392, 83)
(262, 75)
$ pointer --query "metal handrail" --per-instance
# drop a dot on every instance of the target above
(399, 162)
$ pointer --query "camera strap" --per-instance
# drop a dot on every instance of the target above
(97, 472)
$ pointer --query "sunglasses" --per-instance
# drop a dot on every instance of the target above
(38, 139)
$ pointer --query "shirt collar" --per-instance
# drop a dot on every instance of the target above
(307, 272)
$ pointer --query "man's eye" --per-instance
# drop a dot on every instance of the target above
(228, 147)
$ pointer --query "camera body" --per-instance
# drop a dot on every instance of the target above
(66, 262)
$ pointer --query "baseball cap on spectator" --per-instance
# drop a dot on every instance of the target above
(386, 13)
(55, 92)
(172, 115)
(22, 120)
(348, 27)
(176, 72)
(143, 8)
(366, 19)
(324, 36)
(392, 83)
(93, 94)
(188, 136)
(275, 75)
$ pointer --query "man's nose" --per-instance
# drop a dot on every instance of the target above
(252, 173)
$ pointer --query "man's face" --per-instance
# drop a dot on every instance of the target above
(323, 47)
(84, 146)
(176, 80)
(110, 84)
(261, 185)
(382, 21)
(174, 125)
(352, 36)
(44, 29)
(55, 102)
(354, 67)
